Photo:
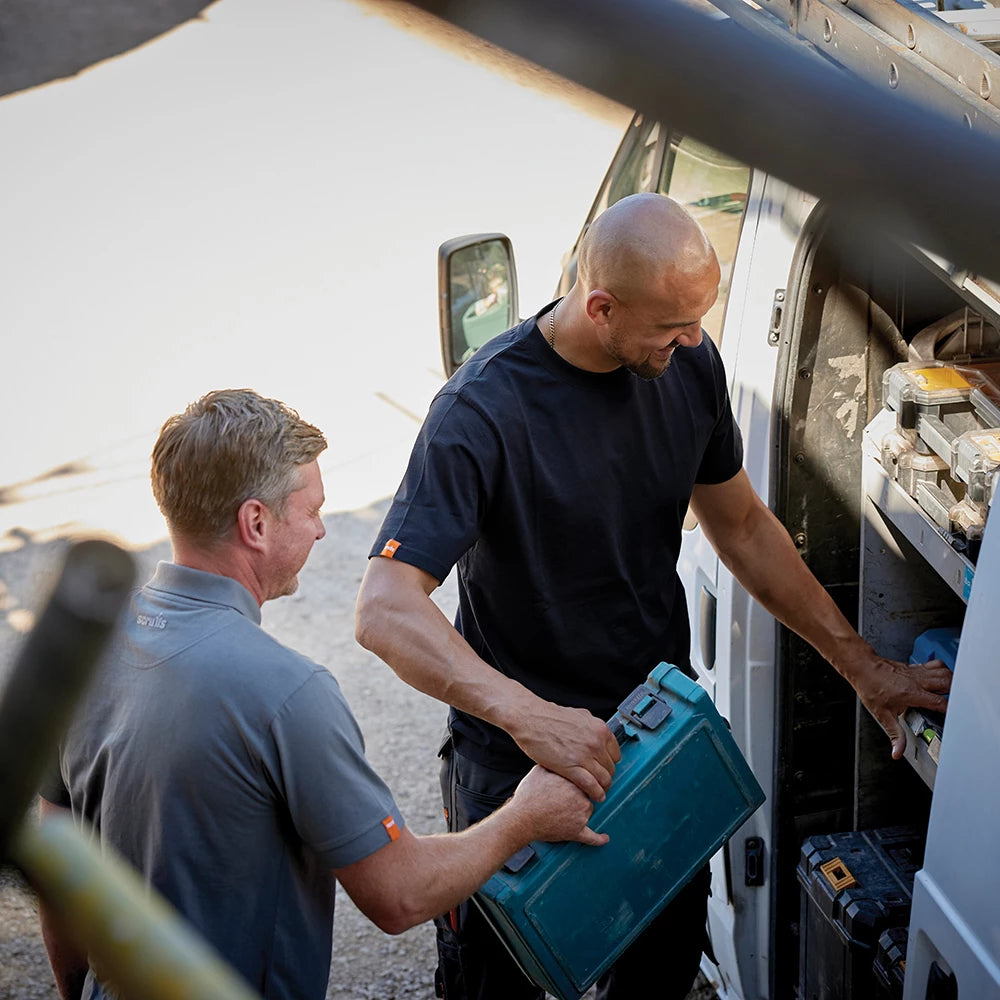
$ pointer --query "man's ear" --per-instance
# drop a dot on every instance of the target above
(253, 523)
(599, 305)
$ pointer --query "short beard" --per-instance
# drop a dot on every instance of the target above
(647, 370)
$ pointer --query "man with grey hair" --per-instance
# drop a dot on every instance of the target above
(228, 768)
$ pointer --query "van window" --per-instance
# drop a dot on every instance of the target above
(637, 171)
(713, 187)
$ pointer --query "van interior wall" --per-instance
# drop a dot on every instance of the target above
(855, 301)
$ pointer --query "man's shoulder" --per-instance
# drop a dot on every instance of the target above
(507, 353)
(273, 657)
(218, 646)
(491, 384)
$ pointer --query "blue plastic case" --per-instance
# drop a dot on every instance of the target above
(681, 789)
(937, 644)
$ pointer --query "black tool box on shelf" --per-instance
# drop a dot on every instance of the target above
(890, 961)
(854, 886)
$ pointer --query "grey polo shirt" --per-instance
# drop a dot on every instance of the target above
(230, 771)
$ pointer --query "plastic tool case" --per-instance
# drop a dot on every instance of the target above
(855, 886)
(681, 789)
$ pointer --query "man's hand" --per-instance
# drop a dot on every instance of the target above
(411, 879)
(570, 742)
(888, 688)
(758, 550)
(555, 808)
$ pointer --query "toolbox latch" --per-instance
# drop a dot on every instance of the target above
(644, 708)
(517, 861)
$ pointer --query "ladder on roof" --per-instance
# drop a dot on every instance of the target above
(947, 59)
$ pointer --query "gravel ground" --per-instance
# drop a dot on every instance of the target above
(402, 728)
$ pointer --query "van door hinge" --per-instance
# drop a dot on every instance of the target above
(777, 312)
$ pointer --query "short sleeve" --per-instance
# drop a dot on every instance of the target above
(339, 806)
(723, 455)
(438, 510)
(53, 788)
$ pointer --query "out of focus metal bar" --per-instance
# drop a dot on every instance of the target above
(881, 159)
(136, 942)
(53, 668)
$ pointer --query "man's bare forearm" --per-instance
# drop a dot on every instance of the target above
(770, 568)
(416, 878)
(398, 621)
(759, 552)
(407, 630)
(69, 964)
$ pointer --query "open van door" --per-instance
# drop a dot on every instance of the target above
(955, 921)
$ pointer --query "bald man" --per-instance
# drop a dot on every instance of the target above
(555, 469)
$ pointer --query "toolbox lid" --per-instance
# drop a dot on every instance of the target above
(925, 383)
(984, 377)
(862, 881)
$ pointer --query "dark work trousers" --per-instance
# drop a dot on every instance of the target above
(473, 964)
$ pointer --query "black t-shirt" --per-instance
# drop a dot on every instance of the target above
(560, 495)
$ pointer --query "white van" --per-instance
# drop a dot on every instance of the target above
(811, 316)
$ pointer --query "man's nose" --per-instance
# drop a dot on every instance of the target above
(691, 337)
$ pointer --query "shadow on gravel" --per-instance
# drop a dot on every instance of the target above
(44, 40)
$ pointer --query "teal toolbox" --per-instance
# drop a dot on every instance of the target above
(681, 789)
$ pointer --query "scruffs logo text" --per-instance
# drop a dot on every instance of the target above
(151, 621)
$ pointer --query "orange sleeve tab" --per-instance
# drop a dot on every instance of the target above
(389, 550)
(390, 828)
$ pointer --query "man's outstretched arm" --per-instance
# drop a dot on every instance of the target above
(69, 964)
(416, 878)
(760, 553)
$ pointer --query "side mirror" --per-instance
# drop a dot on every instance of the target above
(477, 294)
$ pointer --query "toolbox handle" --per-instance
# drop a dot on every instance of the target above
(619, 730)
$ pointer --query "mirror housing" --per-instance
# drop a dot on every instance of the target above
(477, 294)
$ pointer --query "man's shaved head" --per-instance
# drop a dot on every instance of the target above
(639, 243)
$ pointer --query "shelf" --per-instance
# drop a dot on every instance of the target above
(899, 509)
(906, 515)
(922, 756)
